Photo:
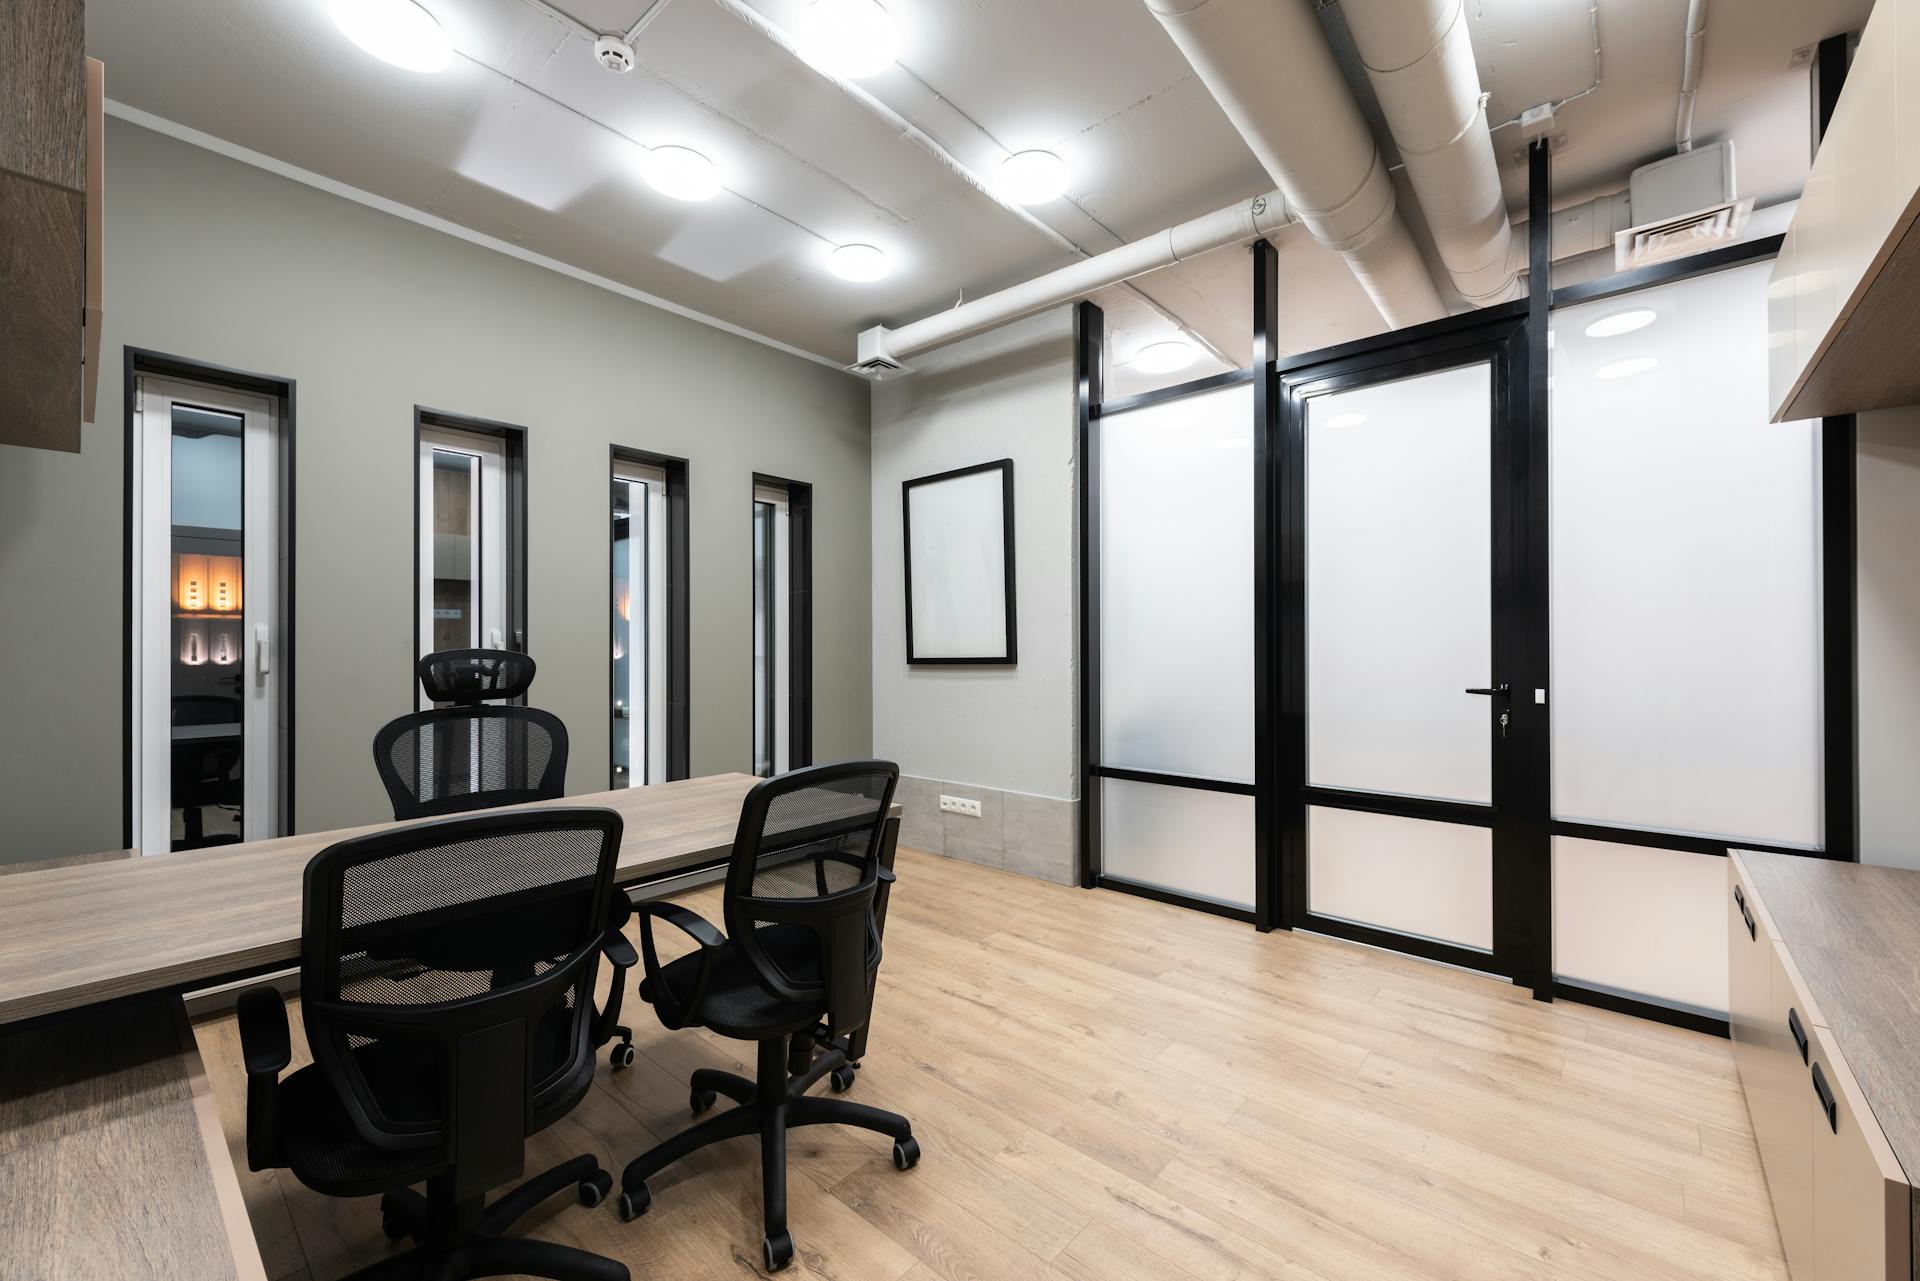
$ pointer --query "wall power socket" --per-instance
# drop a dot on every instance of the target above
(960, 805)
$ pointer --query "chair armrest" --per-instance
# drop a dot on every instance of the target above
(267, 1049)
(618, 951)
(676, 1010)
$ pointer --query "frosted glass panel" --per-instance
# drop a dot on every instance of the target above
(1648, 923)
(1176, 586)
(1686, 570)
(1176, 838)
(1413, 875)
(1399, 586)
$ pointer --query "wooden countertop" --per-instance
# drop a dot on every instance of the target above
(1854, 934)
(76, 935)
(112, 1161)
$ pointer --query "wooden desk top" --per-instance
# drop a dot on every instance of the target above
(73, 936)
(1854, 934)
(112, 1161)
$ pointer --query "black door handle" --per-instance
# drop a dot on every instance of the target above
(1498, 691)
(1827, 1101)
(1799, 1033)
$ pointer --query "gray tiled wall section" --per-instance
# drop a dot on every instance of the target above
(1031, 835)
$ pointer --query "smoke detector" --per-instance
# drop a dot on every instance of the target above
(615, 54)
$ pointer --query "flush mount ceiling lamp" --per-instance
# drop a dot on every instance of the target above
(1622, 322)
(1626, 368)
(861, 264)
(1033, 177)
(851, 38)
(395, 31)
(1164, 357)
(680, 172)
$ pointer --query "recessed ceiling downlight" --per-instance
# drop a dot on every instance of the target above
(1033, 177)
(858, 263)
(1622, 322)
(395, 31)
(1626, 368)
(852, 38)
(1164, 357)
(680, 172)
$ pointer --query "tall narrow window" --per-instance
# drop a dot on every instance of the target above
(782, 625)
(648, 705)
(206, 720)
(471, 536)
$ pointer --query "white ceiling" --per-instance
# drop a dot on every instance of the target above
(546, 163)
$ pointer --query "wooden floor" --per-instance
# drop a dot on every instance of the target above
(1109, 1089)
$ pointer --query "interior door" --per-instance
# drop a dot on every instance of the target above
(204, 566)
(1404, 692)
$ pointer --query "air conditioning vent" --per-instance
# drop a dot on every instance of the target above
(872, 360)
(1691, 233)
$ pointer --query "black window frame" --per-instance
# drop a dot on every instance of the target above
(513, 440)
(678, 622)
(799, 620)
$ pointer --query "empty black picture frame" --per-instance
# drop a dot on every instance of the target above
(1008, 652)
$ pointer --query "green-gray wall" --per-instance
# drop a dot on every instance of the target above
(219, 262)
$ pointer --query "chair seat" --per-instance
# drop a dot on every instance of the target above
(735, 1005)
(327, 1152)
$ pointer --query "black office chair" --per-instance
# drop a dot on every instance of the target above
(797, 969)
(470, 755)
(446, 983)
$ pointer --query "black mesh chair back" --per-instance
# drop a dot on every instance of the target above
(466, 676)
(452, 760)
(806, 858)
(447, 974)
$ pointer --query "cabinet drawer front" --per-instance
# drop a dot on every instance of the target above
(1862, 1203)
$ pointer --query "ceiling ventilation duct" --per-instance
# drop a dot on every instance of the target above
(1419, 56)
(1268, 65)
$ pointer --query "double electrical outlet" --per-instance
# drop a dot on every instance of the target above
(960, 805)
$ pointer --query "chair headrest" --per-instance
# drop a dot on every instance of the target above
(474, 675)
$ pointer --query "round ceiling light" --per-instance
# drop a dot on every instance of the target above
(1626, 368)
(858, 263)
(395, 31)
(1033, 177)
(1164, 357)
(852, 38)
(680, 172)
(1622, 322)
(1351, 418)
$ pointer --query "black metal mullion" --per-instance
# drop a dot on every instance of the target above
(1089, 342)
(1269, 886)
(1179, 391)
(1465, 813)
(1170, 778)
(1681, 842)
(1428, 949)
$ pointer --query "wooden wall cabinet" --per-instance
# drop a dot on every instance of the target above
(1842, 320)
(51, 171)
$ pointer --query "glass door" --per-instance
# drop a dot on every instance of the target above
(205, 554)
(463, 543)
(639, 679)
(1401, 484)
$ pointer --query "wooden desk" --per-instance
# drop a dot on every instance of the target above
(74, 936)
(112, 1162)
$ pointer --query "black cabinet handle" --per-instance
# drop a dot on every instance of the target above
(1739, 896)
(1740, 901)
(1799, 1032)
(1827, 1101)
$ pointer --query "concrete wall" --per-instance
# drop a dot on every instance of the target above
(222, 263)
(1005, 736)
(1889, 638)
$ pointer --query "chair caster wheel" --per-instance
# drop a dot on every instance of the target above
(777, 1251)
(594, 1190)
(394, 1225)
(842, 1079)
(621, 1056)
(633, 1203)
(906, 1153)
(701, 1100)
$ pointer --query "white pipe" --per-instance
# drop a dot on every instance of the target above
(1419, 56)
(1236, 224)
(1268, 65)
(1690, 73)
